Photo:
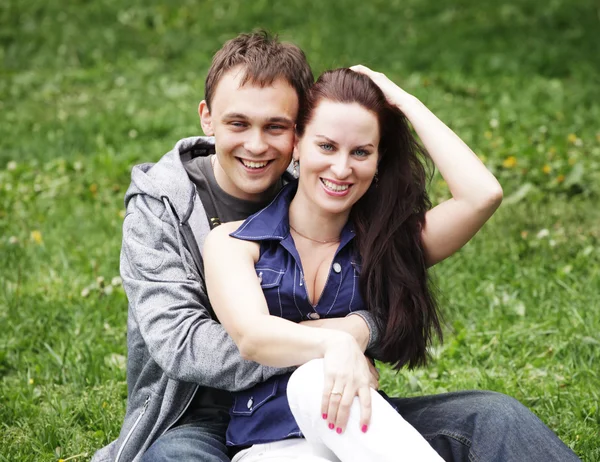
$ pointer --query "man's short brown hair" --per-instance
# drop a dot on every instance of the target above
(264, 59)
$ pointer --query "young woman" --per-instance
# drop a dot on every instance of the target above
(355, 232)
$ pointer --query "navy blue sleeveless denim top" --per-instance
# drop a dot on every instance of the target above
(261, 414)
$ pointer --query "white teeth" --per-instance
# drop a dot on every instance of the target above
(334, 186)
(250, 164)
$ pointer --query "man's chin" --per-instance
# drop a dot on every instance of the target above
(258, 187)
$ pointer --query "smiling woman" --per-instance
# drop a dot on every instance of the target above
(338, 156)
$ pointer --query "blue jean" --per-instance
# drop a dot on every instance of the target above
(483, 426)
(194, 442)
(468, 426)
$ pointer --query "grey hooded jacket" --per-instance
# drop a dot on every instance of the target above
(174, 344)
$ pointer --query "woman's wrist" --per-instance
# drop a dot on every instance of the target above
(408, 104)
(335, 338)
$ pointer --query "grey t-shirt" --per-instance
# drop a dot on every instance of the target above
(211, 404)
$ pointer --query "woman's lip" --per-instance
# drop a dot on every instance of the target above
(341, 183)
(330, 192)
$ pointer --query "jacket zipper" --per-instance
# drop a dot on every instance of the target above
(182, 412)
(133, 428)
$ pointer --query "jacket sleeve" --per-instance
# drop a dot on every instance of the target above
(369, 319)
(170, 305)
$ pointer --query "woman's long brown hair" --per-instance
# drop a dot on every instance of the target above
(388, 221)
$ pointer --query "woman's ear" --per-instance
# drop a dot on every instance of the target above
(205, 119)
(295, 155)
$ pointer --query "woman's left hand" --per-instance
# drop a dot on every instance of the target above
(393, 93)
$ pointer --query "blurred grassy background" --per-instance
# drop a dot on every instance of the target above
(88, 89)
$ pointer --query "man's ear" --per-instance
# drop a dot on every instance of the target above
(205, 119)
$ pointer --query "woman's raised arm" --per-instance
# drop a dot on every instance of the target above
(476, 194)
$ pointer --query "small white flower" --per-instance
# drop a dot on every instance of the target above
(116, 281)
(12, 165)
(543, 233)
(13, 240)
(494, 123)
(85, 292)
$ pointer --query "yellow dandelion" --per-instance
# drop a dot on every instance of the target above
(572, 161)
(546, 169)
(560, 178)
(36, 236)
(94, 188)
(488, 135)
(104, 404)
(572, 138)
(30, 381)
(524, 234)
(509, 162)
(122, 213)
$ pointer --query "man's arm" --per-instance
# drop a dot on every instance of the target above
(170, 306)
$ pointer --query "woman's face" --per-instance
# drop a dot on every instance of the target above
(338, 155)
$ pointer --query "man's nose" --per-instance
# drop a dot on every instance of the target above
(256, 143)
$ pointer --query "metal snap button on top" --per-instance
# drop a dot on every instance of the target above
(250, 403)
(313, 316)
(337, 267)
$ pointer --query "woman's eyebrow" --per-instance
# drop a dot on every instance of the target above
(329, 140)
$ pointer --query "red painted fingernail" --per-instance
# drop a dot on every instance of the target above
(364, 429)
(339, 431)
(331, 426)
(324, 416)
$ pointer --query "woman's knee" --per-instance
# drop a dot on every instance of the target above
(305, 387)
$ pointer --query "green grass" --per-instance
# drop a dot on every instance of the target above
(89, 89)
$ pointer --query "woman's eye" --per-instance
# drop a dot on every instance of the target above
(361, 153)
(326, 146)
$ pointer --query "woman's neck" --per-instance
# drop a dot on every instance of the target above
(312, 222)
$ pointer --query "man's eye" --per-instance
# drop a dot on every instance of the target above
(276, 127)
(326, 146)
(237, 124)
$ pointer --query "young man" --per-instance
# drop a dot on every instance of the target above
(181, 363)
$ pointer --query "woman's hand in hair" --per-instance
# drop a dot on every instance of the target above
(347, 374)
(393, 93)
(476, 194)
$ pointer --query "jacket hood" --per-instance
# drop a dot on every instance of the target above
(168, 178)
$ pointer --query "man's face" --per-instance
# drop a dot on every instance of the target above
(254, 134)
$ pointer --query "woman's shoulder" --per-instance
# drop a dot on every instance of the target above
(220, 236)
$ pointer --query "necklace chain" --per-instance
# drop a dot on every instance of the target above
(329, 241)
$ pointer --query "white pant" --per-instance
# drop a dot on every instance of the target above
(389, 437)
